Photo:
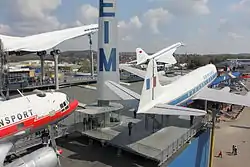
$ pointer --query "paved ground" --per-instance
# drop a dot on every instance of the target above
(77, 153)
(233, 132)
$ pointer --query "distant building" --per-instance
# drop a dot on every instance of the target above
(32, 63)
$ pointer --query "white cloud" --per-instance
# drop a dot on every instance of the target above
(155, 17)
(200, 7)
(127, 38)
(127, 30)
(223, 20)
(234, 35)
(185, 7)
(242, 6)
(87, 14)
(201, 30)
(224, 25)
(134, 22)
(29, 16)
(4, 29)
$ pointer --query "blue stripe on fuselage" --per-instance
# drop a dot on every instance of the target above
(186, 97)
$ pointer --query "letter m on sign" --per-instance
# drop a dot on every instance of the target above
(106, 62)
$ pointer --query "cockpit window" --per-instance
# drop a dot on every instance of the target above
(64, 106)
(61, 105)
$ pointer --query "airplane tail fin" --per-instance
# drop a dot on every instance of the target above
(141, 56)
(151, 87)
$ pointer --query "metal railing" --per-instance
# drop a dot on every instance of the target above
(165, 154)
(35, 139)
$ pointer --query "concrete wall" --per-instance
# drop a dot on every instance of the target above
(196, 154)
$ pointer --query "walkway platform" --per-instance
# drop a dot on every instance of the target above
(157, 143)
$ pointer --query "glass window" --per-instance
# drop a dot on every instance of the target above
(61, 105)
(20, 126)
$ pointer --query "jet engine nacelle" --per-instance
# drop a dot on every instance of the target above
(41, 53)
(44, 157)
(54, 52)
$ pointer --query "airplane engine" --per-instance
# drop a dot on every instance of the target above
(41, 53)
(44, 157)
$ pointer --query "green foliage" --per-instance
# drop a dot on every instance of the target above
(195, 60)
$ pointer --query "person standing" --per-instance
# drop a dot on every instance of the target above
(235, 150)
(220, 154)
(135, 114)
(191, 120)
(130, 124)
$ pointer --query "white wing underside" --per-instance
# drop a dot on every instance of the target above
(46, 40)
(5, 148)
(168, 57)
(142, 73)
(122, 92)
(223, 96)
(165, 109)
(160, 109)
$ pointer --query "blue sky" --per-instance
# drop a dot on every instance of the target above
(205, 26)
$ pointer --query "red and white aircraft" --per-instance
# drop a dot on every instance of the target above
(27, 114)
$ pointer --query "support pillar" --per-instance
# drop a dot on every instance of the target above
(162, 121)
(146, 121)
(91, 56)
(42, 68)
(56, 72)
(92, 63)
(55, 54)
(206, 105)
(6, 76)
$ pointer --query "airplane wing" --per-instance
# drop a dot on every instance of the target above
(129, 98)
(135, 71)
(223, 96)
(142, 73)
(132, 62)
(168, 57)
(122, 92)
(165, 109)
(45, 41)
(161, 109)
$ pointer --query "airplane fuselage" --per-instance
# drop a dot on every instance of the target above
(183, 89)
(30, 113)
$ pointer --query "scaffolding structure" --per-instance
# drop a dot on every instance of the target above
(3, 71)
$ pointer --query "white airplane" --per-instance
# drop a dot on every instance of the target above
(45, 41)
(158, 99)
(164, 56)
(24, 115)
